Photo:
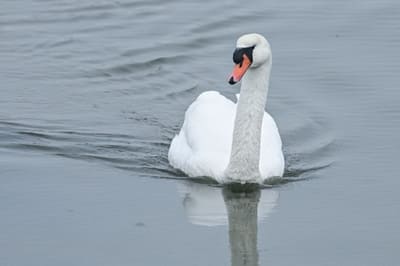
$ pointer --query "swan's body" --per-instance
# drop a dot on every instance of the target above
(227, 141)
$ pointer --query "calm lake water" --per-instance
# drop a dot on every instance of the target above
(92, 93)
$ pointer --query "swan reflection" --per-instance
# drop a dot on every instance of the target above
(241, 208)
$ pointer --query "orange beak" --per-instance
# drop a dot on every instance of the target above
(239, 70)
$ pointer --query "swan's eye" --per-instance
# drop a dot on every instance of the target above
(238, 56)
(239, 52)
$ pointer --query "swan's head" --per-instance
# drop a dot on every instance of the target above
(252, 50)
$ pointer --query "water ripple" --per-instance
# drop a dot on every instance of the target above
(144, 157)
(137, 67)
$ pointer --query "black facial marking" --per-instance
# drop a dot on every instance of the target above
(239, 52)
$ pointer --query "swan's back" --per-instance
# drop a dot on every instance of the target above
(203, 145)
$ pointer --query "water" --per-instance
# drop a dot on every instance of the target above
(92, 93)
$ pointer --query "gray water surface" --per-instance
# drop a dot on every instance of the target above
(92, 92)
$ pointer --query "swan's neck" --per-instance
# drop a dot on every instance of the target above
(245, 153)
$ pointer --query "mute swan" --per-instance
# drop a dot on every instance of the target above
(233, 142)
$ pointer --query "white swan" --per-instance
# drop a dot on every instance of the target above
(233, 142)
